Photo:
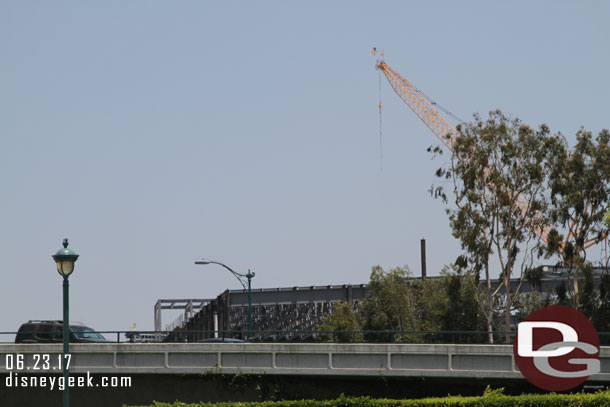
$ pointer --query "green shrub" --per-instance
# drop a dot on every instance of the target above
(491, 398)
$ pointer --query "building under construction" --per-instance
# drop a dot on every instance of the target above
(292, 313)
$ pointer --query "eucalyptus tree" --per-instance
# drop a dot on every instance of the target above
(498, 174)
(580, 201)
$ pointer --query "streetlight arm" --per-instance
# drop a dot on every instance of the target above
(237, 275)
(240, 277)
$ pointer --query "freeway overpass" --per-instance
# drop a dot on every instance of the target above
(213, 372)
(320, 359)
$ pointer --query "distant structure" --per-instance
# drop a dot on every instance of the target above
(190, 307)
(292, 313)
(280, 312)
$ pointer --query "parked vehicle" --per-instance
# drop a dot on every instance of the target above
(36, 331)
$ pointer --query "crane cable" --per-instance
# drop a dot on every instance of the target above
(446, 111)
(380, 129)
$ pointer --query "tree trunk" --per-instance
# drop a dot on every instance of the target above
(575, 298)
(508, 306)
(490, 312)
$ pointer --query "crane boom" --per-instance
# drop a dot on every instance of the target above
(446, 133)
(420, 105)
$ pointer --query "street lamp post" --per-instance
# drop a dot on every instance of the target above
(240, 277)
(65, 259)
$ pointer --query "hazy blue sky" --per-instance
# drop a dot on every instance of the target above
(153, 133)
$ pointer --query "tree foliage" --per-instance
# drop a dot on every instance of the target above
(343, 318)
(601, 317)
(464, 306)
(432, 305)
(398, 302)
(391, 303)
(580, 201)
(498, 174)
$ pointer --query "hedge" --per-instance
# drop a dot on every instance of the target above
(490, 398)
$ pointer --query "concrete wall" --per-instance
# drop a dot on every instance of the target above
(193, 372)
(389, 360)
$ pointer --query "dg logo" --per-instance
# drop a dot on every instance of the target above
(556, 348)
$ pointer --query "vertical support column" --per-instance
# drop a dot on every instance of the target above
(188, 310)
(423, 259)
(249, 306)
(225, 324)
(158, 315)
(66, 338)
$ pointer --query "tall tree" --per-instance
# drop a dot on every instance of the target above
(580, 201)
(462, 309)
(498, 169)
(390, 304)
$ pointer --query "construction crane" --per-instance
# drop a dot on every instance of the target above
(425, 109)
(421, 105)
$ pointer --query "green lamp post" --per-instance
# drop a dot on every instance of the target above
(240, 277)
(65, 259)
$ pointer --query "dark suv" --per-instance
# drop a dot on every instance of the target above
(52, 332)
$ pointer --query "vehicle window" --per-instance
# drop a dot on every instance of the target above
(84, 332)
(46, 332)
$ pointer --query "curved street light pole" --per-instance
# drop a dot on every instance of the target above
(240, 277)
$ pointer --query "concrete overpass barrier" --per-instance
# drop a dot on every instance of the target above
(415, 360)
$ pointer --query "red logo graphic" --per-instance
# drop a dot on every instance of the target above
(556, 348)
